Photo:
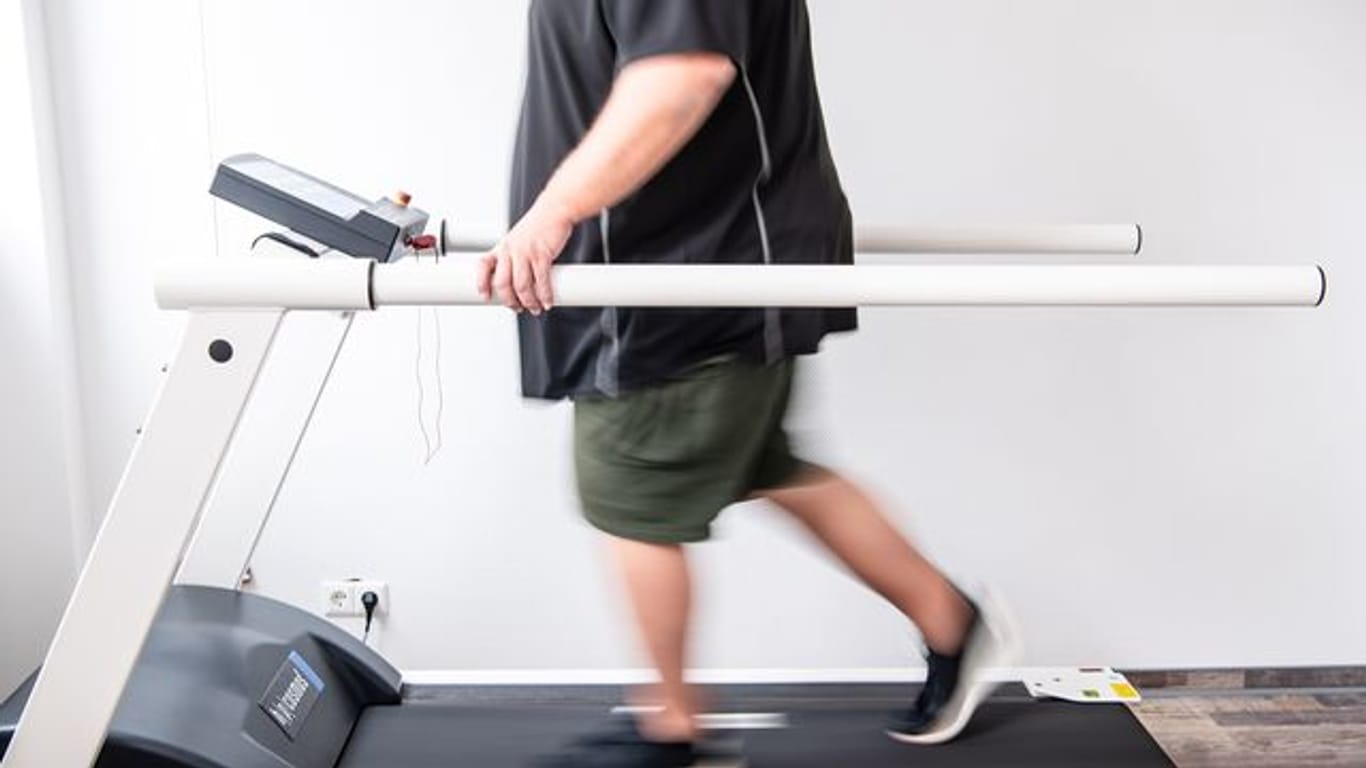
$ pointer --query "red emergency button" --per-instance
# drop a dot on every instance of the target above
(403, 198)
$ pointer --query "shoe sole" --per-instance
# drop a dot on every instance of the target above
(1003, 650)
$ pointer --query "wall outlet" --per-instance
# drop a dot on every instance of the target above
(339, 598)
(342, 597)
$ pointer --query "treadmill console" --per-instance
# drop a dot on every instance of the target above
(382, 230)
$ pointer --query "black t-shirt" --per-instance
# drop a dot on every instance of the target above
(756, 185)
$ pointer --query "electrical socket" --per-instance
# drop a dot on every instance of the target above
(341, 598)
(338, 598)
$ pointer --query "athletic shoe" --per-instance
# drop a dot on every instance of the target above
(621, 745)
(955, 685)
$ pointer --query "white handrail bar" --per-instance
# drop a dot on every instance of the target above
(343, 283)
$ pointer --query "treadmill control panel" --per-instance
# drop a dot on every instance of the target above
(382, 230)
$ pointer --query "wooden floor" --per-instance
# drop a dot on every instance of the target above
(1251, 728)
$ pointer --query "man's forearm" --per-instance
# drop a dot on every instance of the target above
(656, 106)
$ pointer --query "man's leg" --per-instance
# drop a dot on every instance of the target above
(660, 592)
(852, 527)
(965, 640)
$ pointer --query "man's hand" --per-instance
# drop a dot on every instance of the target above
(518, 268)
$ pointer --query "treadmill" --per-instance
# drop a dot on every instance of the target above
(226, 679)
(233, 680)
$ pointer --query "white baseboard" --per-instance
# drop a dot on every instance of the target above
(706, 676)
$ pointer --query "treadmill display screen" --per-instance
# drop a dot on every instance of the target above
(319, 194)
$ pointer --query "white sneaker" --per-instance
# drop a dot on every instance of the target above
(956, 685)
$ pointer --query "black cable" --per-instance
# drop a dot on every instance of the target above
(285, 241)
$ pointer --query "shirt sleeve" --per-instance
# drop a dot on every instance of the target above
(642, 28)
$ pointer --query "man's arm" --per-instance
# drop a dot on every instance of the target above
(656, 106)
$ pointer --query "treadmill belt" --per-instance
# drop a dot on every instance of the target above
(1018, 734)
(1007, 731)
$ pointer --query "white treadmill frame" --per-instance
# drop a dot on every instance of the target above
(181, 453)
(135, 554)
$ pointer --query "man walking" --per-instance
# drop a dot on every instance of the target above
(691, 132)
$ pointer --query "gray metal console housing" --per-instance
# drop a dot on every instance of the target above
(194, 698)
(318, 210)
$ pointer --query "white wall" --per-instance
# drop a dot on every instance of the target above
(1152, 489)
(1158, 489)
(36, 547)
(128, 85)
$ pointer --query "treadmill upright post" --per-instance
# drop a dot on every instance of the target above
(263, 449)
(130, 565)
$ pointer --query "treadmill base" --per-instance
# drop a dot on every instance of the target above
(837, 729)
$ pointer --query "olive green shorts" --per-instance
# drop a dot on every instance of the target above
(659, 464)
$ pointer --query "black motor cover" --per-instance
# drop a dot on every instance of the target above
(217, 663)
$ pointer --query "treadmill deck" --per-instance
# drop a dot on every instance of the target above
(832, 729)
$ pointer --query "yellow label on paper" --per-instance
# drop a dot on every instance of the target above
(1124, 690)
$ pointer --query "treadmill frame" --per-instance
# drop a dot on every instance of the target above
(180, 455)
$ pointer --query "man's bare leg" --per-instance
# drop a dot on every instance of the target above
(851, 526)
(848, 523)
(660, 591)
